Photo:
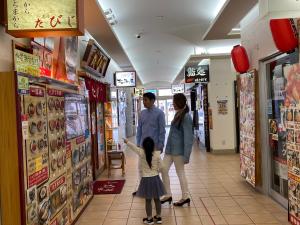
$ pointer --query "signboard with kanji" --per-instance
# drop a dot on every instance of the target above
(32, 18)
(26, 63)
(197, 74)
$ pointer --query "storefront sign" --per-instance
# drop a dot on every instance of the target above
(177, 88)
(31, 18)
(138, 92)
(197, 74)
(26, 63)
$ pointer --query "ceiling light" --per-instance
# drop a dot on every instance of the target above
(107, 12)
(236, 29)
(200, 50)
(220, 50)
(204, 62)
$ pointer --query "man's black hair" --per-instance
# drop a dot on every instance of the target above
(149, 95)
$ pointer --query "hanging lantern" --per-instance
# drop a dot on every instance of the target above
(240, 59)
(284, 35)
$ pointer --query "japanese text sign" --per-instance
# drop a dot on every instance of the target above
(26, 63)
(30, 18)
(197, 74)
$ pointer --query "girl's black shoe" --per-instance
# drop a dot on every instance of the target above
(158, 220)
(148, 221)
(164, 200)
(183, 202)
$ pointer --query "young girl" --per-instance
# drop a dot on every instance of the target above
(151, 186)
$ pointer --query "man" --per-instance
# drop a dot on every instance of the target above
(151, 123)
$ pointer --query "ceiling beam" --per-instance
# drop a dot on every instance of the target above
(230, 15)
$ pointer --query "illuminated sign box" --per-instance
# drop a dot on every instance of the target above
(32, 18)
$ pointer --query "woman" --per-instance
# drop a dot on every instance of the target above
(178, 149)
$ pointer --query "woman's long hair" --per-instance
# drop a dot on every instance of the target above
(148, 146)
(181, 102)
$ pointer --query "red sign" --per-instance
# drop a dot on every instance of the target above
(57, 183)
(38, 177)
(37, 92)
(68, 150)
(97, 90)
(80, 140)
(54, 92)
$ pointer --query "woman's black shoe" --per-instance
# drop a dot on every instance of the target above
(183, 202)
(148, 221)
(164, 200)
(158, 219)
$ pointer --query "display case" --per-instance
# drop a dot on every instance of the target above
(47, 120)
(111, 126)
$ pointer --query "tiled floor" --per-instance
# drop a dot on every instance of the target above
(219, 196)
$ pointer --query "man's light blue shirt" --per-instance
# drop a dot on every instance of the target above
(152, 124)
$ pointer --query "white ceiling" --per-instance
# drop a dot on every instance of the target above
(165, 44)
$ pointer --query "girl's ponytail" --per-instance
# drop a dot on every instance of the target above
(148, 146)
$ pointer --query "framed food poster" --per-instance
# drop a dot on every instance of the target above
(290, 112)
(249, 151)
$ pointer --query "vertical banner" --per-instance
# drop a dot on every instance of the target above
(248, 127)
(291, 121)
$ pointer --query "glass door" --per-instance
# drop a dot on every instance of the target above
(277, 119)
(162, 105)
(171, 111)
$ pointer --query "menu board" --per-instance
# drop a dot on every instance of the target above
(26, 63)
(247, 127)
(290, 112)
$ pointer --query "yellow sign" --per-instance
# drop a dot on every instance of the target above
(27, 63)
(41, 14)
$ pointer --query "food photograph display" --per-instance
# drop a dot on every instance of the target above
(57, 154)
(291, 123)
(247, 127)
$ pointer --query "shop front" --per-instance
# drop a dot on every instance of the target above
(52, 130)
(270, 161)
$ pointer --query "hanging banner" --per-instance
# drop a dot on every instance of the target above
(31, 18)
(97, 90)
(197, 74)
(177, 88)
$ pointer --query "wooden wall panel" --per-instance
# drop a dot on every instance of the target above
(9, 168)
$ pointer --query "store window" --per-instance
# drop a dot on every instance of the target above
(280, 117)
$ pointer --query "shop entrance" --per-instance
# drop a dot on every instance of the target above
(166, 106)
(277, 129)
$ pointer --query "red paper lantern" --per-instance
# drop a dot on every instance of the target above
(284, 36)
(240, 59)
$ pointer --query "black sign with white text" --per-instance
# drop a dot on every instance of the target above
(197, 74)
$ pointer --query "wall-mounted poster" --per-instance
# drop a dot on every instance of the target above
(222, 106)
(248, 151)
